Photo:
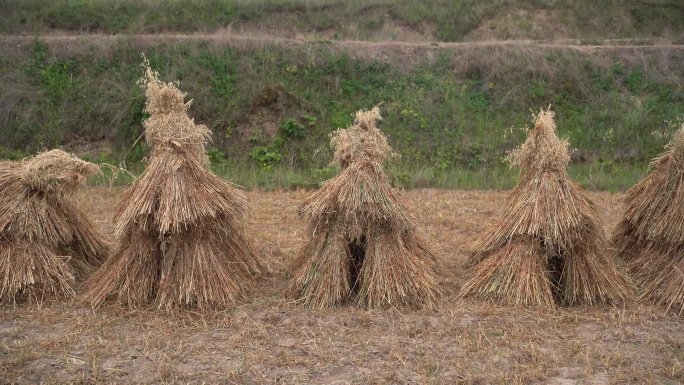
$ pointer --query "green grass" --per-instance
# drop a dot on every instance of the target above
(408, 178)
(452, 118)
(446, 20)
(607, 177)
(594, 177)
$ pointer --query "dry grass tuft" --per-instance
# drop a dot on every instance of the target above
(180, 237)
(45, 239)
(549, 245)
(362, 240)
(650, 236)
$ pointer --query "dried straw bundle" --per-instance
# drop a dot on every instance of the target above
(362, 140)
(650, 237)
(549, 245)
(181, 242)
(169, 118)
(362, 240)
(45, 239)
(180, 238)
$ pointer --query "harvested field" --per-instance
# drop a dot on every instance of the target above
(271, 340)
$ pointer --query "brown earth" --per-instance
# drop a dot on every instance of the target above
(272, 340)
(68, 39)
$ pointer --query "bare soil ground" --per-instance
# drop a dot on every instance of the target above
(272, 340)
(260, 38)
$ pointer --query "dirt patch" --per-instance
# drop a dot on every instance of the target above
(82, 147)
(522, 24)
(269, 108)
(388, 29)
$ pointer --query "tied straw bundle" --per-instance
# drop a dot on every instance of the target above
(549, 245)
(169, 120)
(650, 236)
(45, 238)
(180, 238)
(362, 240)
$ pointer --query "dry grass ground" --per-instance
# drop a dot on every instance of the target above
(271, 340)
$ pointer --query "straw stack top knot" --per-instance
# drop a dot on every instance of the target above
(366, 119)
(55, 169)
(543, 150)
(363, 140)
(162, 98)
(677, 144)
(169, 122)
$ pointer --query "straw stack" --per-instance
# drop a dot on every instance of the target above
(180, 238)
(650, 237)
(45, 239)
(549, 245)
(362, 242)
(169, 120)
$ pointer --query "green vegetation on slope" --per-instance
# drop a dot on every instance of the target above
(442, 20)
(450, 112)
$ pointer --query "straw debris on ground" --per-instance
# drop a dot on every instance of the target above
(363, 244)
(46, 240)
(549, 246)
(180, 240)
(650, 236)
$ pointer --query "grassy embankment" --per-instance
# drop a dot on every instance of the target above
(441, 20)
(451, 112)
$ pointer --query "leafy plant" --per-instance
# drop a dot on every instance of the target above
(55, 77)
(291, 128)
(537, 88)
(266, 156)
(224, 74)
(216, 156)
(635, 81)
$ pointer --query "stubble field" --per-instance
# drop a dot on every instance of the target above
(270, 339)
